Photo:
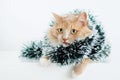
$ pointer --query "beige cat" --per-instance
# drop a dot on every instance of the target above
(67, 29)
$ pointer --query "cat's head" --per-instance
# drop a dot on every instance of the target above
(69, 28)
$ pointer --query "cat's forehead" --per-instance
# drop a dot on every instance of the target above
(68, 21)
(70, 17)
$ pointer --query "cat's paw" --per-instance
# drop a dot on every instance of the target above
(68, 79)
(74, 75)
(44, 62)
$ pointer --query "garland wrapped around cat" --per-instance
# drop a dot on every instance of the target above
(94, 47)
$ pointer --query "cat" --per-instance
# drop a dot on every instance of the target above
(66, 30)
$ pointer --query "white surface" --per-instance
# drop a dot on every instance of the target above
(12, 68)
(25, 20)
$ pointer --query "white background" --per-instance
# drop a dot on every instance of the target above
(22, 21)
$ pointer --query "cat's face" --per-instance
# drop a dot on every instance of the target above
(69, 28)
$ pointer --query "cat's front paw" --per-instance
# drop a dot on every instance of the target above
(75, 75)
(44, 61)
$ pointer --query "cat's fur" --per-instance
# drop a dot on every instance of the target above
(66, 30)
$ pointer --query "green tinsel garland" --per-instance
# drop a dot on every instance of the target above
(94, 47)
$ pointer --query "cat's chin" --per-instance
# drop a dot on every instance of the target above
(65, 45)
(60, 43)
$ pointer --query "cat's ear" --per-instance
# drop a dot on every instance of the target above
(57, 17)
(82, 19)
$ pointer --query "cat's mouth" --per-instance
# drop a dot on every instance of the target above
(66, 43)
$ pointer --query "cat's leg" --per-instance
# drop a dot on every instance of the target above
(79, 68)
(44, 61)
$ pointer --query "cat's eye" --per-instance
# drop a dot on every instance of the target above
(60, 30)
(73, 31)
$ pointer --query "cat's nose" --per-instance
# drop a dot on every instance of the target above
(65, 39)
